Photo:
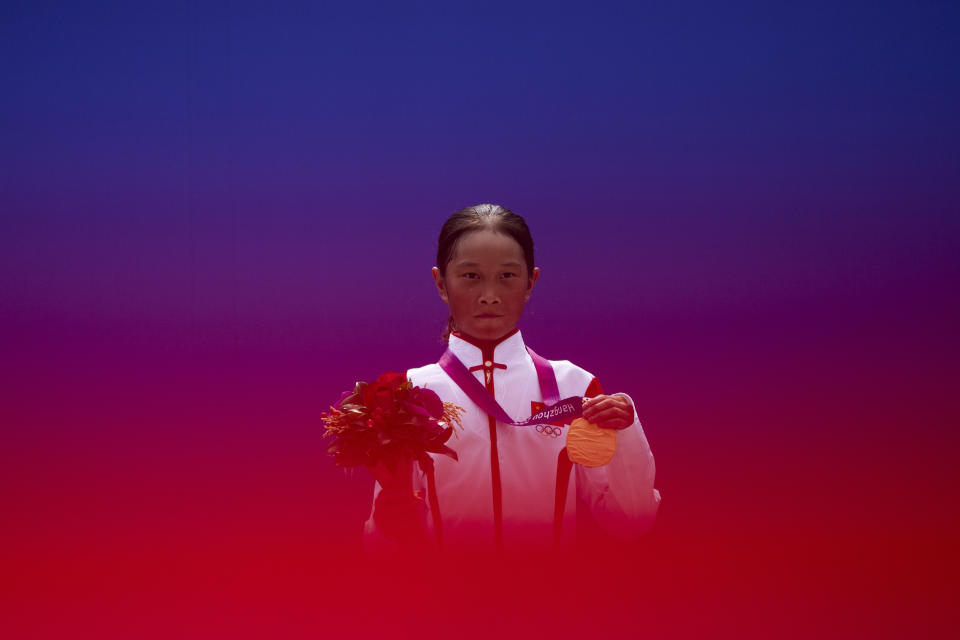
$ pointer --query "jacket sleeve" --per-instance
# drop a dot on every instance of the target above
(620, 495)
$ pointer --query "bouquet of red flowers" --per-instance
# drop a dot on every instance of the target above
(390, 420)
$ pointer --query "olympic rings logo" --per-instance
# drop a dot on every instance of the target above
(549, 430)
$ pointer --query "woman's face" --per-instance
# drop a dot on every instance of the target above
(486, 284)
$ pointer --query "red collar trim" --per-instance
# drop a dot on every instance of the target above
(486, 346)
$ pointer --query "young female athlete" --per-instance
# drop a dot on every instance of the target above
(513, 486)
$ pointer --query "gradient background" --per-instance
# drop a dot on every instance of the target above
(218, 216)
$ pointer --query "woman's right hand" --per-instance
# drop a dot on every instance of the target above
(399, 512)
(396, 478)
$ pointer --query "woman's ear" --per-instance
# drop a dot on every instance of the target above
(531, 281)
(441, 286)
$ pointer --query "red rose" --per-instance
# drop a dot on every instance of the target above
(380, 394)
(393, 379)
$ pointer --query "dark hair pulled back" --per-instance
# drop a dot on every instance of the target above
(492, 217)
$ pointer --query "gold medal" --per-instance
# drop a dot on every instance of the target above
(589, 445)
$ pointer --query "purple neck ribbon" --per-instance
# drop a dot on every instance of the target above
(566, 410)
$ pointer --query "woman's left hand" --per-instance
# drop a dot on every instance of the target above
(609, 412)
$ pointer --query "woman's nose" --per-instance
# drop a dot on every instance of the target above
(489, 295)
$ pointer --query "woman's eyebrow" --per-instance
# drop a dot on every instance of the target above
(477, 264)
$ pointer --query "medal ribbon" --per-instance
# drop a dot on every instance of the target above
(566, 409)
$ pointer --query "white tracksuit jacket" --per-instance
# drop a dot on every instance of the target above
(620, 495)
